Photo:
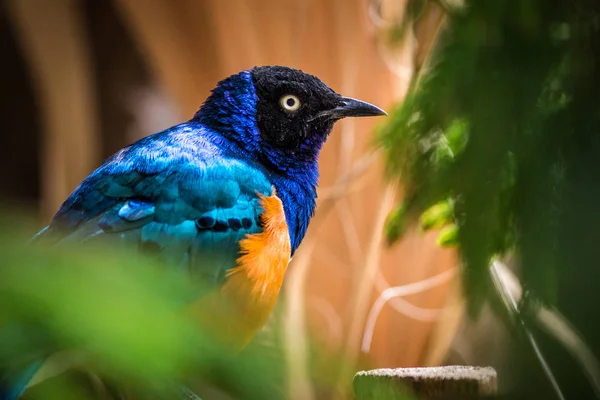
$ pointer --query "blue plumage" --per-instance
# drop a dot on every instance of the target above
(12, 385)
(189, 194)
(181, 194)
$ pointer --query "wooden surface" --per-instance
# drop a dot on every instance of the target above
(52, 37)
(449, 382)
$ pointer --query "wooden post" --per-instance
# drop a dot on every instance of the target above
(450, 382)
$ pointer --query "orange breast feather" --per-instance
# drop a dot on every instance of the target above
(243, 305)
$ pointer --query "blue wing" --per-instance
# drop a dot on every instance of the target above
(12, 385)
(175, 194)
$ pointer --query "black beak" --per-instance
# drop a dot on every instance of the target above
(354, 108)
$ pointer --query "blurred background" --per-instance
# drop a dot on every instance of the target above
(83, 78)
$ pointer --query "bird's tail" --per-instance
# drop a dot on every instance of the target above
(14, 383)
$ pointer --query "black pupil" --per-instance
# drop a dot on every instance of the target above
(290, 102)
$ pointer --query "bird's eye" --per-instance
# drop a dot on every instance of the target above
(289, 102)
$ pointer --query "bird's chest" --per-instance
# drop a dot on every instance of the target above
(242, 306)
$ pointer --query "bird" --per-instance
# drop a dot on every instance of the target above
(225, 197)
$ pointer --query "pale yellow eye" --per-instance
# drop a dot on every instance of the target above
(289, 102)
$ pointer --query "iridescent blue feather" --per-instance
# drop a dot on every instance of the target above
(188, 194)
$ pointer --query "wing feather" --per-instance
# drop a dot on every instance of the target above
(188, 205)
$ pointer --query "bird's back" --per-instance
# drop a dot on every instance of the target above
(182, 195)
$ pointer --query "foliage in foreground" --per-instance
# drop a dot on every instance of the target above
(500, 143)
(121, 313)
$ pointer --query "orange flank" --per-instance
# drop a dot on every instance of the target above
(233, 314)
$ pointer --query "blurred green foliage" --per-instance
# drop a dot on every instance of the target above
(124, 314)
(499, 141)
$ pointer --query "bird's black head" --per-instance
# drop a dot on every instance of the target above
(294, 107)
(282, 115)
